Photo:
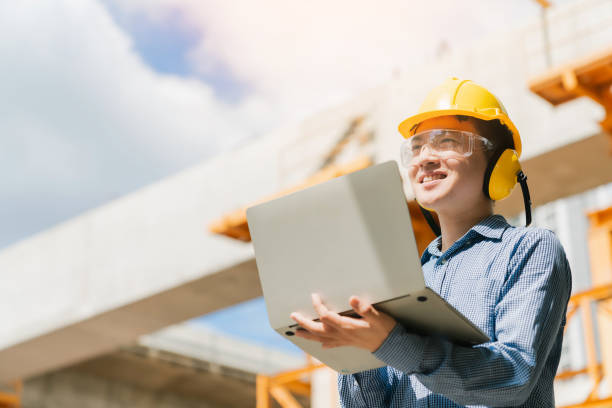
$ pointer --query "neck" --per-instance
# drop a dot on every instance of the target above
(455, 225)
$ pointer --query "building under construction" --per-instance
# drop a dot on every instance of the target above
(94, 307)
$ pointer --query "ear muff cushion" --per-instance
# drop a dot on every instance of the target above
(487, 175)
(500, 175)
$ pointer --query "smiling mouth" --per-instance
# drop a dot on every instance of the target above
(433, 177)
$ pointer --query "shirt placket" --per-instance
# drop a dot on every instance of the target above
(442, 265)
(448, 263)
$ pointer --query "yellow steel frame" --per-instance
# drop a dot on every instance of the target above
(543, 3)
(602, 403)
(12, 399)
(591, 77)
(282, 386)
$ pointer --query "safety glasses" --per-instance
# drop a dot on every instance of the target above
(443, 143)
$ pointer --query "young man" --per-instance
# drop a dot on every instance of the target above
(514, 283)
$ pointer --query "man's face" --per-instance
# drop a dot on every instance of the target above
(448, 183)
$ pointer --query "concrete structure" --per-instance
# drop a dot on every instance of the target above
(129, 379)
(146, 261)
(181, 366)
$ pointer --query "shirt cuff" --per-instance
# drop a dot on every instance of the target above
(402, 350)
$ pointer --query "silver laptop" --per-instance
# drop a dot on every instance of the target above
(351, 235)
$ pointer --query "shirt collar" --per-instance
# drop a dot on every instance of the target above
(491, 227)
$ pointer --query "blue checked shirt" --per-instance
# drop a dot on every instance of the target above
(513, 283)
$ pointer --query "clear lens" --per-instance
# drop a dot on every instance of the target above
(446, 142)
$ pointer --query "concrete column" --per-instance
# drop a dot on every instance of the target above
(324, 391)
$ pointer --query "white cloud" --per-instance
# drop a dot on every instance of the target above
(83, 119)
(306, 55)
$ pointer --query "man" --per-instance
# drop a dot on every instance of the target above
(514, 283)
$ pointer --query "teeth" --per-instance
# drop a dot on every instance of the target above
(433, 177)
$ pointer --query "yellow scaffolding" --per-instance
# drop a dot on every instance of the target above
(282, 386)
(12, 398)
(583, 301)
(590, 77)
(599, 365)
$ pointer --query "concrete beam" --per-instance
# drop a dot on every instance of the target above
(568, 170)
(103, 333)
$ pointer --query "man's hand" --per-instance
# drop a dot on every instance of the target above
(334, 330)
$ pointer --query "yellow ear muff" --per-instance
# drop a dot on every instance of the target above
(501, 175)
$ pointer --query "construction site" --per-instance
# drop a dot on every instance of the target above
(80, 331)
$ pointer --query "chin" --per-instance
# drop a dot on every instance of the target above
(435, 200)
(429, 204)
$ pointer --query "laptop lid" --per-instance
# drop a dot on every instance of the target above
(351, 235)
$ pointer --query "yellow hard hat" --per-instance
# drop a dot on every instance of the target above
(461, 97)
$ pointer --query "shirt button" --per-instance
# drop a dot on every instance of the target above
(443, 261)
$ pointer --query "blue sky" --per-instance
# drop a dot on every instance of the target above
(249, 321)
(165, 44)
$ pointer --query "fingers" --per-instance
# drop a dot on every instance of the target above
(330, 322)
(310, 325)
(332, 318)
(325, 315)
(318, 305)
(305, 334)
(363, 308)
(311, 330)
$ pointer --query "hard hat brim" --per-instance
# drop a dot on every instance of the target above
(406, 126)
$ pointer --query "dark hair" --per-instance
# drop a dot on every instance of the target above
(495, 131)
(498, 134)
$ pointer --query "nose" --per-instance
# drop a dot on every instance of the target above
(426, 156)
(428, 147)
